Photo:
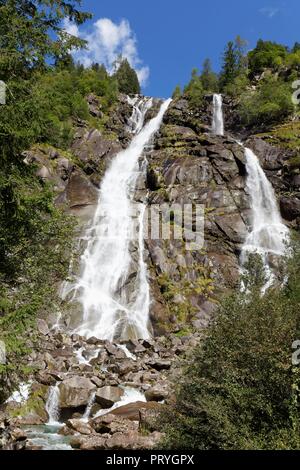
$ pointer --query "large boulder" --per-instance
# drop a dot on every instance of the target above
(132, 410)
(107, 396)
(75, 392)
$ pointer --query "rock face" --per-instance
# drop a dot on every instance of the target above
(189, 166)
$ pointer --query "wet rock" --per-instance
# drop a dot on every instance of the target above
(80, 426)
(75, 392)
(107, 396)
(42, 326)
(290, 208)
(18, 434)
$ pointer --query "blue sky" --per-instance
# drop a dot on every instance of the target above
(165, 39)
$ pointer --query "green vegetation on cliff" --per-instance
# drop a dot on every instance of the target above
(260, 81)
(240, 389)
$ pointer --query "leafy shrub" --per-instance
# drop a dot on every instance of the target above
(240, 389)
(269, 103)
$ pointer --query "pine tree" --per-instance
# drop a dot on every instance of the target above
(209, 79)
(229, 69)
(176, 92)
(126, 77)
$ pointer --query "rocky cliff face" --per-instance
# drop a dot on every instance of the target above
(186, 165)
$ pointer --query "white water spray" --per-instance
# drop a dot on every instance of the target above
(109, 311)
(268, 235)
(89, 407)
(218, 120)
(52, 406)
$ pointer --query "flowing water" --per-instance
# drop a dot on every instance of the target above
(52, 406)
(109, 310)
(268, 235)
(218, 119)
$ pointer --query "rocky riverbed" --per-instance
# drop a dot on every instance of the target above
(108, 395)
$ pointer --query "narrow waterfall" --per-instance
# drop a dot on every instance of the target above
(52, 405)
(218, 120)
(110, 309)
(268, 235)
(89, 407)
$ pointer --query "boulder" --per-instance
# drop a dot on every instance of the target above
(88, 443)
(42, 327)
(75, 392)
(107, 396)
(290, 208)
(157, 393)
(132, 440)
(132, 410)
(80, 426)
(111, 424)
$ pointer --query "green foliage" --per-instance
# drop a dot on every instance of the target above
(239, 389)
(209, 79)
(61, 95)
(31, 33)
(127, 78)
(234, 62)
(177, 92)
(266, 54)
(194, 90)
(270, 102)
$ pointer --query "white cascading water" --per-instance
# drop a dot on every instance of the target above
(108, 313)
(218, 119)
(268, 235)
(52, 406)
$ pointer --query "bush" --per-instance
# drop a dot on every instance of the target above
(266, 54)
(269, 103)
(240, 389)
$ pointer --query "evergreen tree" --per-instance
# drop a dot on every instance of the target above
(194, 90)
(229, 69)
(234, 62)
(176, 92)
(209, 79)
(126, 77)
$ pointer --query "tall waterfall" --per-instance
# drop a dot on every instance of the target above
(218, 120)
(109, 312)
(268, 235)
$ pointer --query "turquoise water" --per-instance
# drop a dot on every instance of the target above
(47, 437)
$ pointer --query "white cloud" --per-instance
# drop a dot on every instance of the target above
(270, 12)
(106, 41)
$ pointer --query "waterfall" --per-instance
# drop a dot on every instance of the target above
(218, 121)
(268, 235)
(89, 407)
(109, 311)
(52, 405)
